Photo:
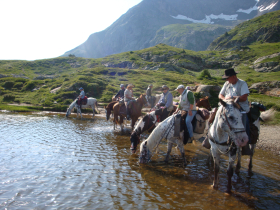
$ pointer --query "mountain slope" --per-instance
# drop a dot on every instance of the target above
(265, 28)
(135, 29)
(195, 37)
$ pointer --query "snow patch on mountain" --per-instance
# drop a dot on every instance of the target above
(260, 8)
(208, 18)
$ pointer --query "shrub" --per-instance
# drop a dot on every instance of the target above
(204, 74)
(8, 97)
(30, 85)
(18, 85)
(8, 84)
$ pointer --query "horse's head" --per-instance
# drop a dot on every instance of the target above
(145, 100)
(144, 153)
(230, 120)
(147, 123)
(204, 102)
(67, 112)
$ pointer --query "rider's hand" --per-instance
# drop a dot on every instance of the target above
(190, 112)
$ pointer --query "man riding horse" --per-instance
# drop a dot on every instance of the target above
(237, 88)
(81, 96)
(151, 98)
(120, 94)
(128, 97)
(165, 104)
(187, 103)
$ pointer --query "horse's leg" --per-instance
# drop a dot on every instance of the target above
(81, 113)
(93, 109)
(182, 150)
(169, 148)
(250, 166)
(121, 123)
(216, 158)
(238, 165)
(230, 171)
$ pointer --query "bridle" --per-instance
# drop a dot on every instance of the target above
(229, 142)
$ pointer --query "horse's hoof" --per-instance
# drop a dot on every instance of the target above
(228, 191)
(214, 187)
(250, 174)
(237, 173)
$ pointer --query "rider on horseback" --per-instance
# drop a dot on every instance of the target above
(120, 94)
(128, 97)
(165, 103)
(151, 99)
(81, 96)
(187, 103)
(237, 88)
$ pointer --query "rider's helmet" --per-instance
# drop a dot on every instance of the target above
(81, 88)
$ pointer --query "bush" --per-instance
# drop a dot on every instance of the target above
(18, 85)
(30, 85)
(8, 97)
(8, 84)
(205, 74)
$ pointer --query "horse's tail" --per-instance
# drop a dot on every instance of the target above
(268, 115)
(96, 107)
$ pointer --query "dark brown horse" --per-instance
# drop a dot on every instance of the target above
(136, 107)
(109, 109)
(204, 102)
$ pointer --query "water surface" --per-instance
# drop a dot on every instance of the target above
(50, 162)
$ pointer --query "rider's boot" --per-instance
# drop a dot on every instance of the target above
(192, 139)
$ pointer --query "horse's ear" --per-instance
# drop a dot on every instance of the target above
(206, 97)
(223, 102)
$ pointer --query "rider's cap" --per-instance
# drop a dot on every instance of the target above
(150, 85)
(130, 85)
(122, 85)
(228, 73)
(81, 88)
(180, 86)
(164, 87)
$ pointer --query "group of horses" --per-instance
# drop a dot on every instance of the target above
(227, 134)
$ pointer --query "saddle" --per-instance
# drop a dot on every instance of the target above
(82, 101)
(123, 108)
(180, 125)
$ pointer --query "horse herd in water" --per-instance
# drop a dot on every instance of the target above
(225, 132)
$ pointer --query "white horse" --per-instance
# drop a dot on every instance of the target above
(91, 102)
(164, 130)
(226, 136)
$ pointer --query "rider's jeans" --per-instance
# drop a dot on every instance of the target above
(189, 123)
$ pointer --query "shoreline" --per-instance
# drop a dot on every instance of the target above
(269, 139)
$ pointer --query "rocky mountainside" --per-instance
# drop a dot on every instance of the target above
(195, 36)
(265, 28)
(141, 26)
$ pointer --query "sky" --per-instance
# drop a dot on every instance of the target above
(40, 29)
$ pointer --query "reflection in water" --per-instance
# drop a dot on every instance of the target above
(50, 162)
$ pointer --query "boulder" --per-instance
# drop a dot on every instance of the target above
(270, 88)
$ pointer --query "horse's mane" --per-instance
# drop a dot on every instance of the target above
(156, 135)
(111, 104)
(141, 120)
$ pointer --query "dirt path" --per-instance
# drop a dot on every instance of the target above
(269, 139)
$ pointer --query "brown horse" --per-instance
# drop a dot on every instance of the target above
(109, 109)
(204, 102)
(136, 107)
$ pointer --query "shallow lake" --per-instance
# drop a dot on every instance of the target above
(48, 161)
